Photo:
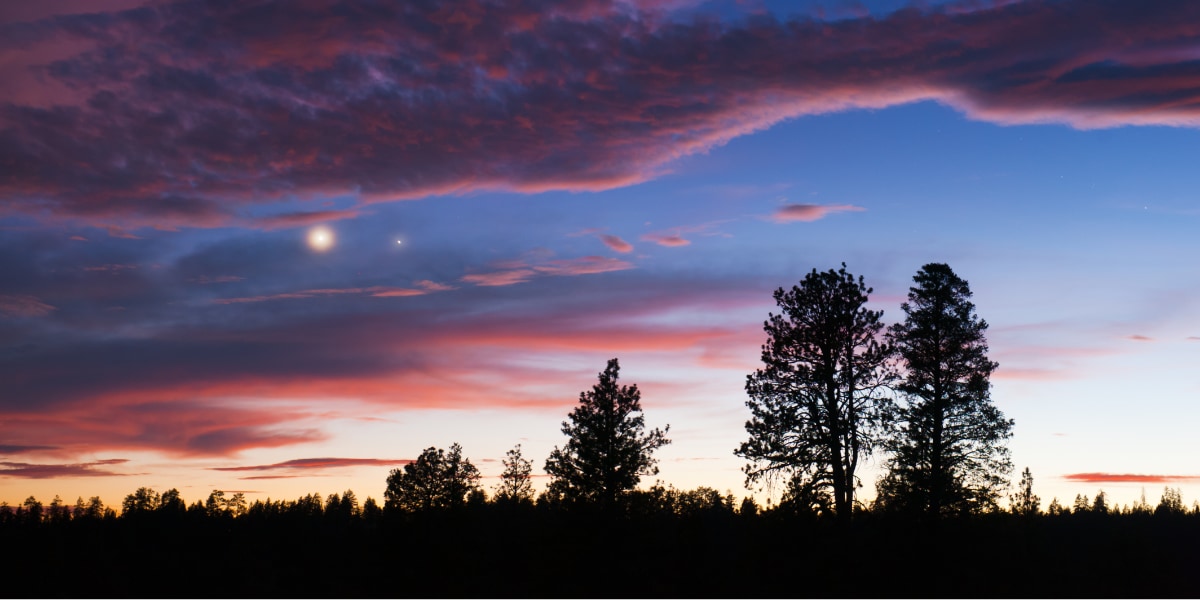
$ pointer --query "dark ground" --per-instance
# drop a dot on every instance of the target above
(537, 554)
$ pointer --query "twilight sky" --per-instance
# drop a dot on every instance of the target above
(514, 192)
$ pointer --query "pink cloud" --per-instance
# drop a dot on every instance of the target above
(1129, 478)
(20, 449)
(1032, 362)
(522, 270)
(33, 11)
(320, 463)
(1031, 374)
(205, 280)
(810, 212)
(111, 268)
(117, 232)
(668, 240)
(614, 104)
(499, 278)
(142, 420)
(21, 305)
(399, 293)
(616, 244)
(1139, 338)
(374, 291)
(433, 286)
(584, 265)
(199, 390)
(673, 237)
(300, 219)
(53, 471)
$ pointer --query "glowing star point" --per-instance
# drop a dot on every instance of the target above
(320, 238)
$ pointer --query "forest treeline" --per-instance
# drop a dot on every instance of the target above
(835, 388)
(662, 542)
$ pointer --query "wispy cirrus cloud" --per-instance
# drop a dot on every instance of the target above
(673, 237)
(53, 471)
(423, 287)
(206, 280)
(613, 242)
(810, 212)
(306, 464)
(261, 377)
(23, 305)
(522, 270)
(669, 240)
(9, 449)
(1099, 477)
(175, 421)
(121, 120)
(300, 219)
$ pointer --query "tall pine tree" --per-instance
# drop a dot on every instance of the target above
(815, 403)
(949, 453)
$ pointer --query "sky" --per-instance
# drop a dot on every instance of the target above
(282, 247)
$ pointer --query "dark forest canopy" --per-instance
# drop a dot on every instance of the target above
(668, 542)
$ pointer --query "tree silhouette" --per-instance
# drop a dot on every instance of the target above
(608, 449)
(1171, 502)
(436, 480)
(949, 455)
(214, 506)
(370, 509)
(1055, 509)
(95, 508)
(32, 510)
(516, 485)
(815, 403)
(1025, 502)
(171, 503)
(141, 502)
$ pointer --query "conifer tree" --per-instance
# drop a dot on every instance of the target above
(949, 454)
(608, 449)
(1025, 502)
(815, 403)
(436, 480)
(516, 485)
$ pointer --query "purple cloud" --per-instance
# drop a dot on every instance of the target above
(179, 114)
